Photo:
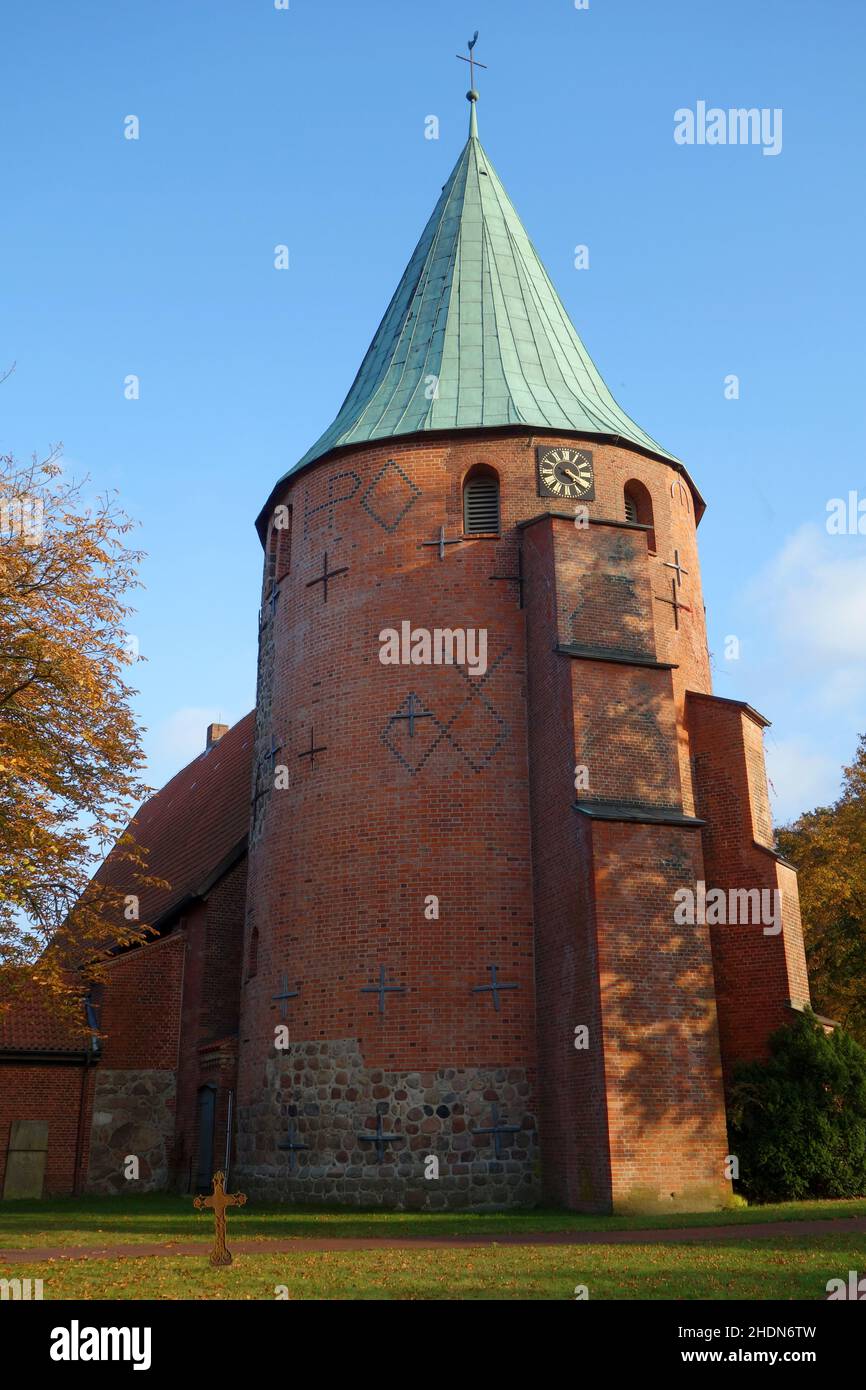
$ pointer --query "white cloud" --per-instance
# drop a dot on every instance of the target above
(812, 600)
(803, 619)
(179, 739)
(799, 776)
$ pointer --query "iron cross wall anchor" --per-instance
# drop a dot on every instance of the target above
(497, 1129)
(270, 603)
(675, 604)
(441, 542)
(379, 1138)
(382, 989)
(294, 1147)
(218, 1202)
(286, 995)
(412, 714)
(271, 757)
(494, 987)
(326, 576)
(515, 578)
(313, 749)
(676, 565)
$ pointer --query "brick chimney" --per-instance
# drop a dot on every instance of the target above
(214, 734)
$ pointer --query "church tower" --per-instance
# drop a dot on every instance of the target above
(489, 771)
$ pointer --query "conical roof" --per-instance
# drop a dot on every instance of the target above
(476, 336)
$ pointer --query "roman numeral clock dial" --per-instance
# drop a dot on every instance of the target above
(565, 473)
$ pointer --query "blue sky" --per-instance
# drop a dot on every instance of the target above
(305, 126)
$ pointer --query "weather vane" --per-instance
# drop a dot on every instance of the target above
(473, 64)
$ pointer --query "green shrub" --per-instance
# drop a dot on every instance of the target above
(798, 1121)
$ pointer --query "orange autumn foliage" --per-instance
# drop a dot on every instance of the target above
(70, 750)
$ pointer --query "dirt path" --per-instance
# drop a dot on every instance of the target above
(855, 1225)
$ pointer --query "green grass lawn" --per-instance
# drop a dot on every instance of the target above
(787, 1267)
(119, 1220)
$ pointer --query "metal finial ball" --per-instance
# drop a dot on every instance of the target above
(472, 95)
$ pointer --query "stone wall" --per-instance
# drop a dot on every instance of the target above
(133, 1113)
(321, 1095)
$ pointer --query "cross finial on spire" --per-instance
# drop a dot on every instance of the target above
(472, 95)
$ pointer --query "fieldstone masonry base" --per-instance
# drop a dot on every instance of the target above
(321, 1095)
(133, 1113)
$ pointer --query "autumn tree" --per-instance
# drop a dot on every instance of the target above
(828, 848)
(70, 751)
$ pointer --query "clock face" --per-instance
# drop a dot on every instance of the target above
(565, 473)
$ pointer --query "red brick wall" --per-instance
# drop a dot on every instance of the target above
(223, 955)
(342, 860)
(140, 1015)
(52, 1093)
(359, 840)
(214, 931)
(349, 852)
(756, 974)
(573, 1103)
(140, 1021)
(638, 1116)
(663, 1070)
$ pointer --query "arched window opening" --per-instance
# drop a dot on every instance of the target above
(283, 528)
(639, 509)
(481, 503)
(271, 559)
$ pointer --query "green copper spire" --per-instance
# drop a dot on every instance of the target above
(476, 337)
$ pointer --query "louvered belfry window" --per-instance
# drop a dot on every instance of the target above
(481, 504)
(630, 507)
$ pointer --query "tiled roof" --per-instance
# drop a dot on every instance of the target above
(33, 1024)
(193, 825)
(193, 829)
(476, 336)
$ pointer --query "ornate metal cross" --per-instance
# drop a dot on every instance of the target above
(493, 988)
(326, 576)
(382, 989)
(413, 714)
(442, 542)
(380, 1138)
(472, 61)
(497, 1129)
(675, 565)
(313, 749)
(675, 604)
(293, 1147)
(516, 578)
(218, 1201)
(286, 995)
